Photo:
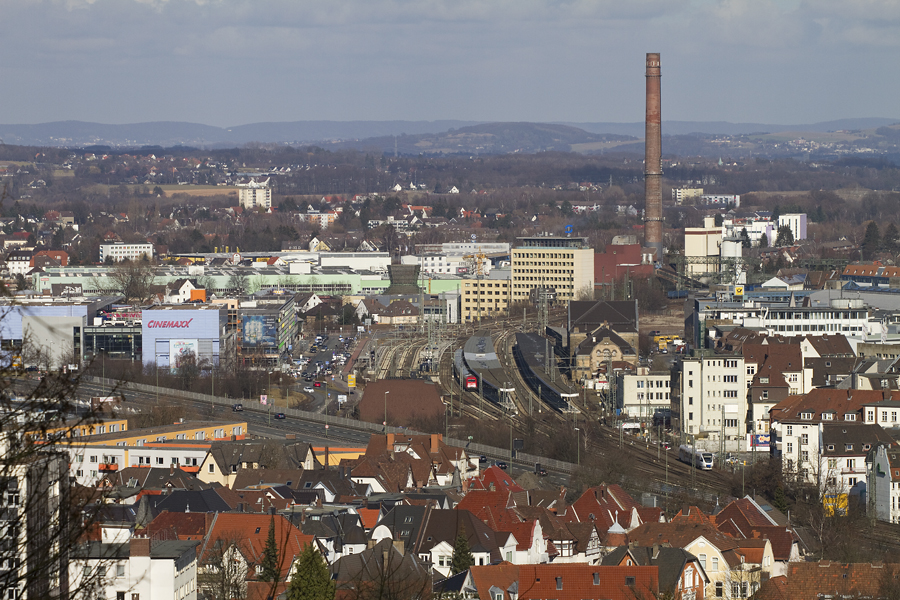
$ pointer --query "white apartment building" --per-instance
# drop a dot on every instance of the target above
(120, 251)
(714, 397)
(90, 463)
(884, 483)
(165, 570)
(562, 263)
(255, 193)
(796, 222)
(453, 264)
(640, 395)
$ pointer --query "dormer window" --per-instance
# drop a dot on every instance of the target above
(831, 447)
(764, 380)
(850, 417)
(827, 416)
(806, 416)
(848, 447)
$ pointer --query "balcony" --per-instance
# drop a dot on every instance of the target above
(108, 467)
(853, 471)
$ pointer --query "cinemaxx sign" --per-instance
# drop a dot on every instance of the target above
(169, 324)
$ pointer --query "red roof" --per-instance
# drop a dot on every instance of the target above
(249, 532)
(571, 581)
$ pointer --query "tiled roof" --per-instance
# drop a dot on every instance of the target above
(249, 532)
(813, 581)
(817, 401)
(568, 581)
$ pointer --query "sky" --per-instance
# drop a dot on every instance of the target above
(233, 62)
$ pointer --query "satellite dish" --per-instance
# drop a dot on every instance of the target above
(474, 237)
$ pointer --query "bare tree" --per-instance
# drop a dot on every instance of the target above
(132, 279)
(222, 572)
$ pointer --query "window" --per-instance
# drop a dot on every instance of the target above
(596, 578)
(720, 589)
(790, 447)
(850, 417)
(212, 468)
(628, 581)
(702, 558)
(804, 439)
(120, 570)
(715, 564)
(559, 583)
(789, 430)
(764, 395)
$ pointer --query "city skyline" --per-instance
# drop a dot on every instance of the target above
(227, 63)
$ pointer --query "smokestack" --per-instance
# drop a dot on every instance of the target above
(652, 161)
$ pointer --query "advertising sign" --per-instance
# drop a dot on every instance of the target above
(351, 380)
(759, 441)
(342, 398)
(260, 331)
(179, 350)
(263, 399)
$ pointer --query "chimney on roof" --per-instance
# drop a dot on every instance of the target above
(435, 438)
(398, 544)
(171, 469)
(139, 546)
(272, 510)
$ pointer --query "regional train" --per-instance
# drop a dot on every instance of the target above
(471, 382)
(696, 457)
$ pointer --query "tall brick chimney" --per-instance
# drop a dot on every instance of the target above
(652, 160)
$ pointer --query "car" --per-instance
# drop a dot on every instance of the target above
(237, 407)
(309, 389)
(541, 472)
(318, 384)
(280, 416)
(501, 465)
(483, 459)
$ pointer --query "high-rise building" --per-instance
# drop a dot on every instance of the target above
(565, 264)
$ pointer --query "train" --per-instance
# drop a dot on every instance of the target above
(696, 457)
(471, 382)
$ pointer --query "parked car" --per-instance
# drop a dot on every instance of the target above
(280, 416)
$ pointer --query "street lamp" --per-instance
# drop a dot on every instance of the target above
(103, 360)
(385, 409)
(578, 444)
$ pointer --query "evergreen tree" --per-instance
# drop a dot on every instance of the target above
(785, 237)
(764, 241)
(311, 579)
(871, 241)
(745, 238)
(462, 556)
(889, 241)
(270, 570)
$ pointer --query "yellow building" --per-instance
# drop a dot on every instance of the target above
(189, 430)
(486, 297)
(73, 429)
(562, 263)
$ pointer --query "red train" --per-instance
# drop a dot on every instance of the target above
(471, 382)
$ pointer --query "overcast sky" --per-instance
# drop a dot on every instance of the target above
(232, 62)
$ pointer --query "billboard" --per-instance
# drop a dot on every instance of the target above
(351, 380)
(759, 440)
(260, 331)
(178, 349)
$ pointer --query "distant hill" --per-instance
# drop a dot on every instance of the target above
(446, 136)
(492, 138)
(170, 133)
(726, 128)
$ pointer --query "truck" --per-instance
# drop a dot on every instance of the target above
(105, 402)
